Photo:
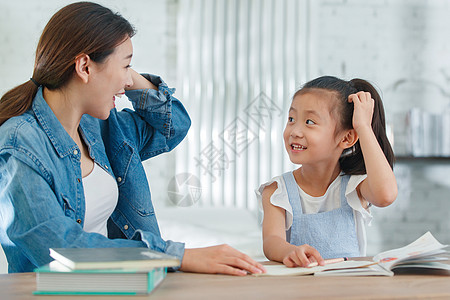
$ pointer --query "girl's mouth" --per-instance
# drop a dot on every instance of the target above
(298, 147)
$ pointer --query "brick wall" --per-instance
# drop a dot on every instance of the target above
(422, 205)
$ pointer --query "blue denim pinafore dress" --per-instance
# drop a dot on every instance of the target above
(332, 233)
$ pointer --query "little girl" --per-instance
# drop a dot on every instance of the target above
(336, 131)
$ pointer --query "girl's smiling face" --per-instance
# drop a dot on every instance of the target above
(311, 133)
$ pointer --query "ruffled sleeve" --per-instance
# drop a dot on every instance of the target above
(279, 198)
(353, 199)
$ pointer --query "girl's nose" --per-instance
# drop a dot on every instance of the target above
(297, 132)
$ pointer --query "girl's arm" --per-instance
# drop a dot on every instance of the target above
(380, 186)
(275, 246)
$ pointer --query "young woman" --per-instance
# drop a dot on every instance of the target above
(71, 172)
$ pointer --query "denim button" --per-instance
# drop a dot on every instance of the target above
(79, 221)
(125, 227)
(75, 152)
(106, 167)
(119, 179)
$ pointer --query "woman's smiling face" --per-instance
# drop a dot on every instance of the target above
(109, 79)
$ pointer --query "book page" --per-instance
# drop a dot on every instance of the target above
(370, 270)
(426, 245)
(282, 270)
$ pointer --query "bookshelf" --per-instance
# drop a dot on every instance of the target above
(407, 159)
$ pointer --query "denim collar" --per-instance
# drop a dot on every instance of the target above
(60, 139)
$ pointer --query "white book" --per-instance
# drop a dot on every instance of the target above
(112, 258)
(416, 132)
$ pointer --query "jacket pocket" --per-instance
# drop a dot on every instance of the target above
(122, 162)
(68, 210)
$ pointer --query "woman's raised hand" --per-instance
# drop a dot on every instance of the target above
(139, 82)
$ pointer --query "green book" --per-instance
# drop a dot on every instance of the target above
(57, 279)
(142, 259)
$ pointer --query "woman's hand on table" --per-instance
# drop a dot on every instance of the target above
(221, 259)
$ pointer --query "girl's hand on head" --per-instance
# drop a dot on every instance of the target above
(221, 259)
(302, 256)
(363, 109)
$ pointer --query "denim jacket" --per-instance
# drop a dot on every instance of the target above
(42, 201)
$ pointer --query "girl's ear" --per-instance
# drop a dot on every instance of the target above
(349, 139)
(82, 64)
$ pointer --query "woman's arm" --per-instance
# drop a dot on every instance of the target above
(275, 246)
(35, 218)
(380, 186)
(140, 82)
(159, 121)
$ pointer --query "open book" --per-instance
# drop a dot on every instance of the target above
(424, 253)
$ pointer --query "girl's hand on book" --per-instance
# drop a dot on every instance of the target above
(221, 259)
(302, 256)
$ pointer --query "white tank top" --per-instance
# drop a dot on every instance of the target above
(101, 194)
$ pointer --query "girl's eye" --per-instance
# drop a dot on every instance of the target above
(310, 122)
(290, 119)
(129, 66)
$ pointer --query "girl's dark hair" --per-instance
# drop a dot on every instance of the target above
(78, 28)
(353, 164)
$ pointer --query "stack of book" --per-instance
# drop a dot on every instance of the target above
(103, 271)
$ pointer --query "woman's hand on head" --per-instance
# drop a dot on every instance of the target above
(221, 259)
(139, 82)
(302, 256)
(363, 109)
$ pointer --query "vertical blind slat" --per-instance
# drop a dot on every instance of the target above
(233, 56)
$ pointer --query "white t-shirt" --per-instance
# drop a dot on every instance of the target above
(329, 201)
(101, 194)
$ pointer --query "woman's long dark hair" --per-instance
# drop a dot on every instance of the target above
(353, 164)
(78, 28)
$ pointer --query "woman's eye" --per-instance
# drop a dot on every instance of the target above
(129, 66)
(310, 122)
(290, 119)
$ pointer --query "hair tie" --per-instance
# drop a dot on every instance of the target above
(35, 82)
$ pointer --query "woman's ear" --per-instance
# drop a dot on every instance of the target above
(82, 64)
(349, 139)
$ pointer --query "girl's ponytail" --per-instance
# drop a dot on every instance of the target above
(17, 100)
(353, 164)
